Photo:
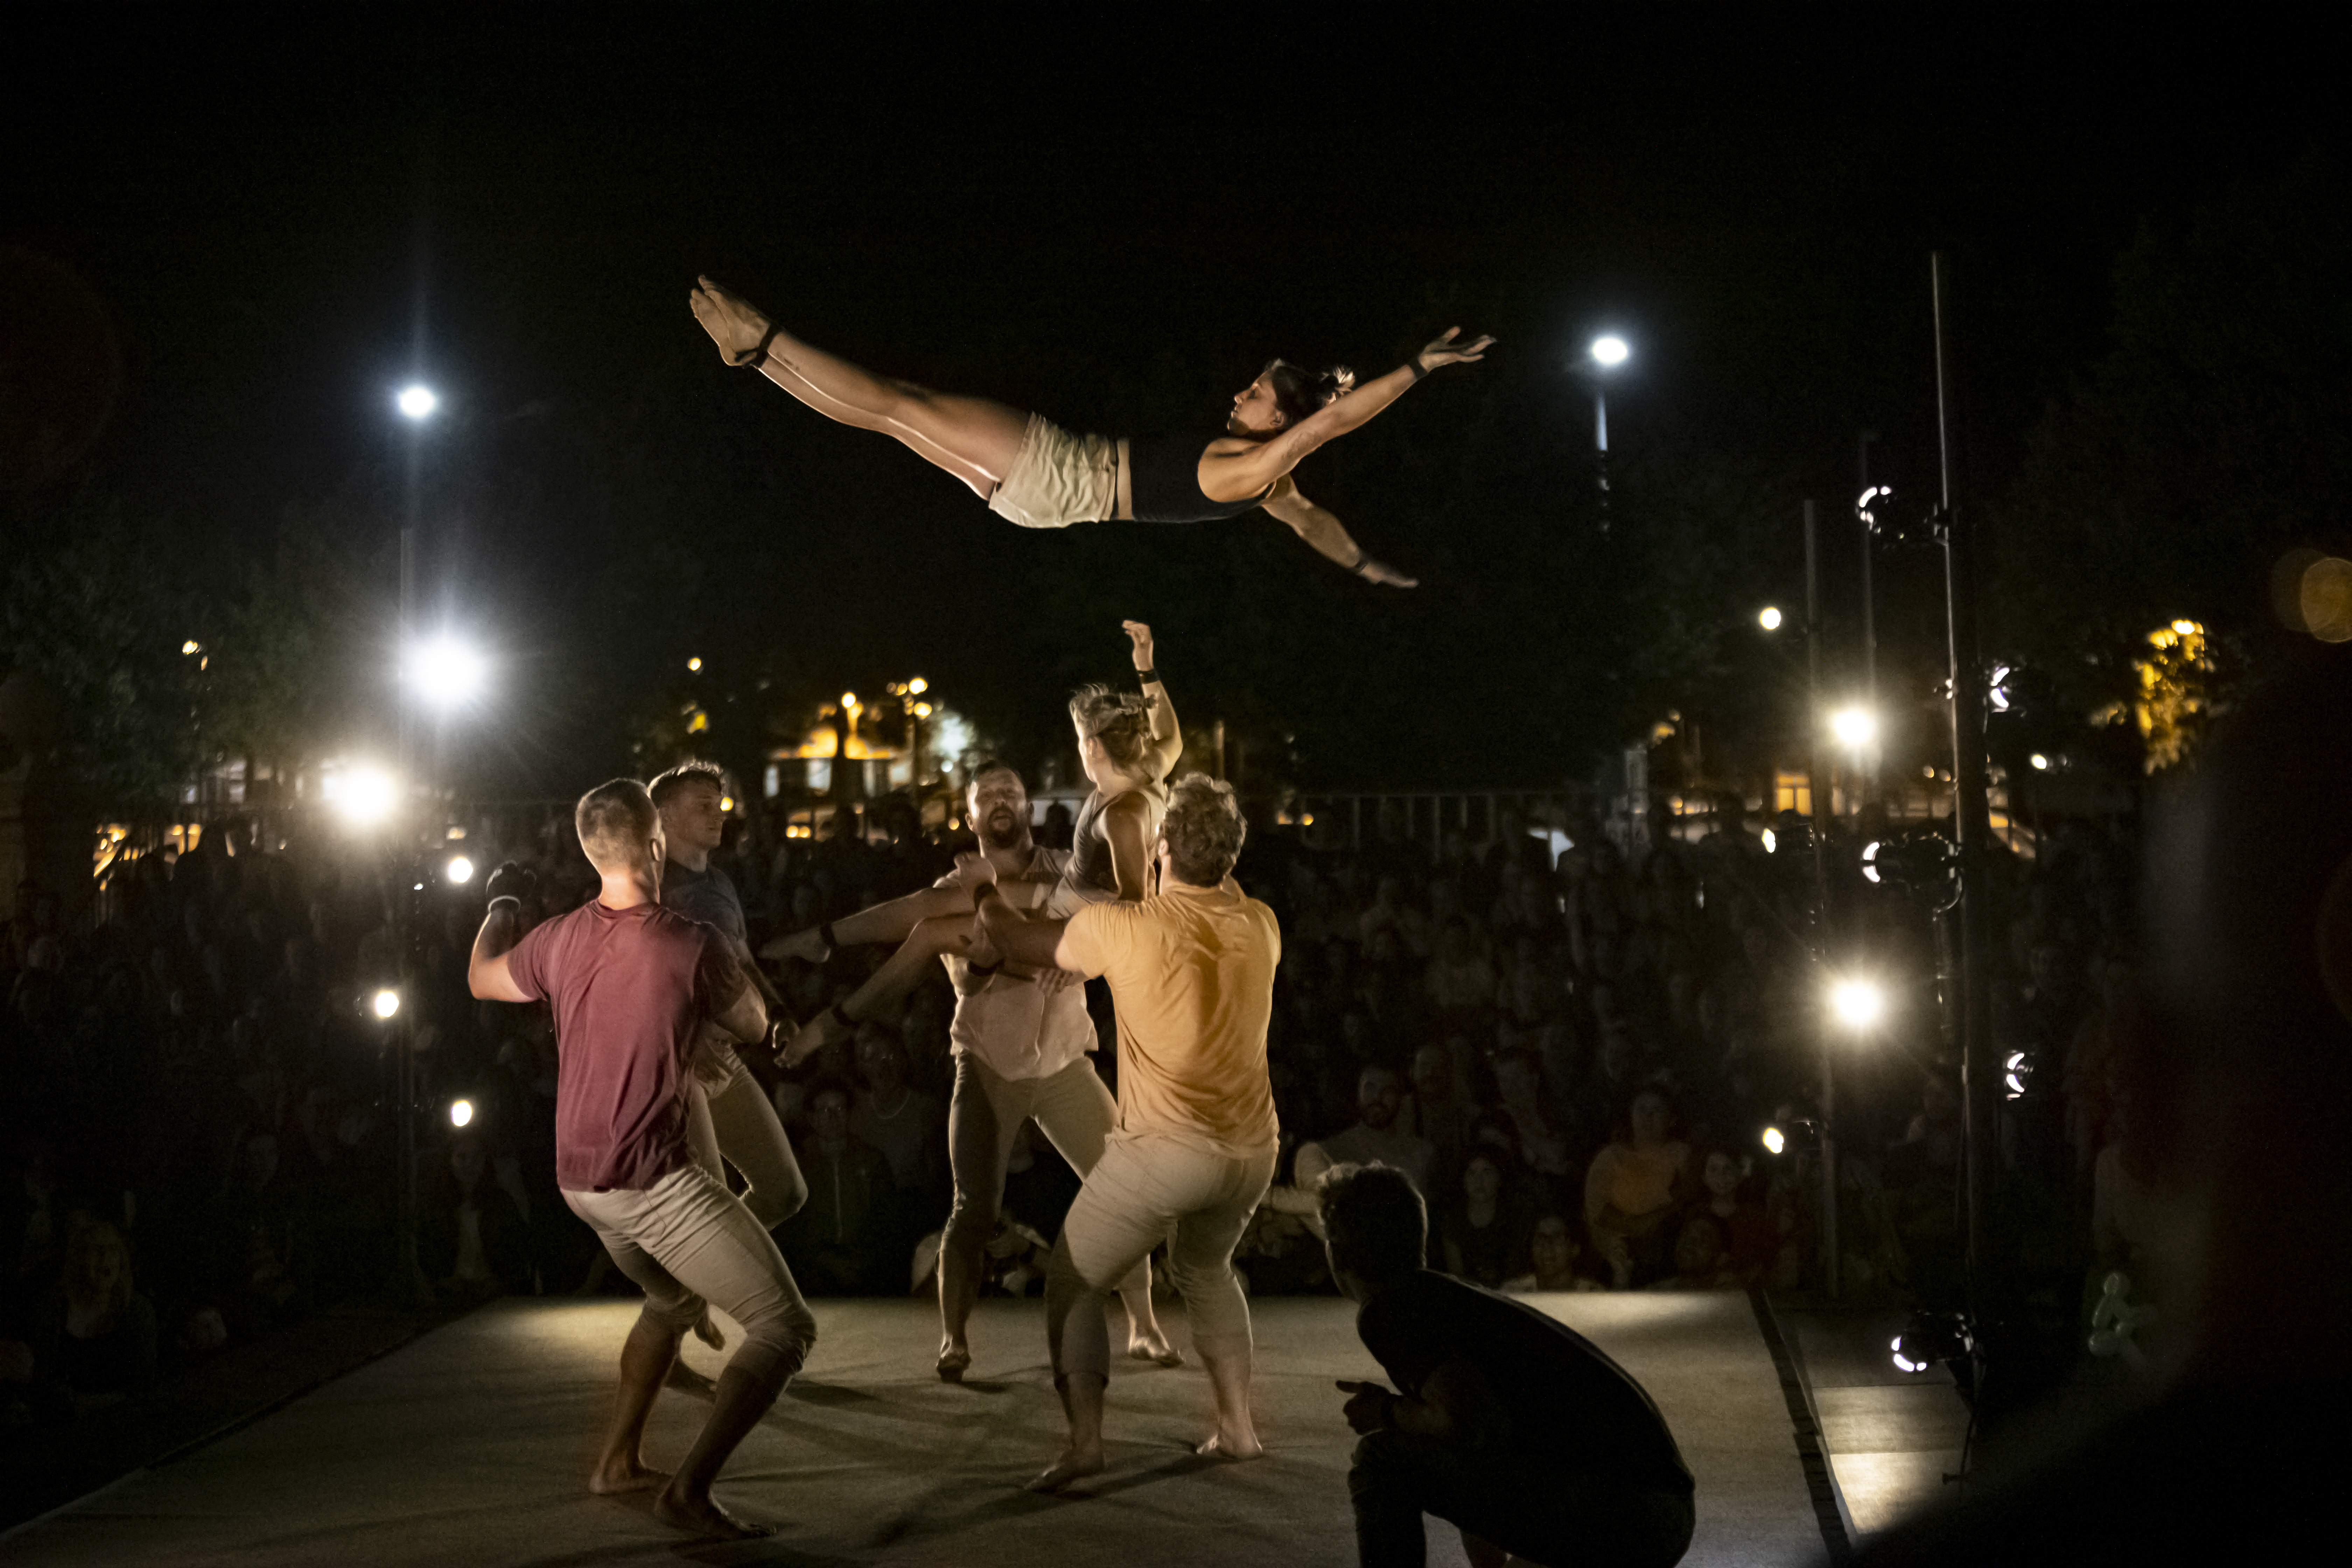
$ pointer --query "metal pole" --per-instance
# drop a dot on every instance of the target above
(1869, 625)
(404, 1034)
(1601, 446)
(1820, 892)
(1971, 825)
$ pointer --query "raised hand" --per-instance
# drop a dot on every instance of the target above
(1445, 350)
(1140, 636)
(1372, 571)
(512, 879)
(732, 323)
(1367, 1409)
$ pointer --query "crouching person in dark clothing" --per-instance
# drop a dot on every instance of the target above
(1504, 1422)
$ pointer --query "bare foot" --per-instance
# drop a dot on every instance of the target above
(709, 1332)
(1221, 1447)
(634, 1476)
(732, 323)
(804, 944)
(1153, 1346)
(954, 1361)
(814, 1037)
(703, 1516)
(1072, 1464)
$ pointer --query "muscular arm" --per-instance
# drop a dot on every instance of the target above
(746, 1018)
(1246, 473)
(1130, 859)
(1167, 738)
(487, 974)
(1327, 536)
(1038, 943)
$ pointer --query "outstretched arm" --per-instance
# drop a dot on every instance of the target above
(891, 921)
(1328, 537)
(1260, 467)
(1038, 943)
(1167, 737)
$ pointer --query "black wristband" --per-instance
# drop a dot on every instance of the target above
(759, 357)
(825, 935)
(1413, 364)
(1147, 678)
(841, 1016)
(1363, 560)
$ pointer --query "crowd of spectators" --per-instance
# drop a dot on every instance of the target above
(1571, 1057)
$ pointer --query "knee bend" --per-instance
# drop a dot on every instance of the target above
(781, 1340)
(773, 1202)
(1195, 1283)
(939, 933)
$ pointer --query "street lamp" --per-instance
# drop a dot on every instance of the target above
(1855, 728)
(1769, 617)
(446, 671)
(1857, 1004)
(418, 401)
(1609, 350)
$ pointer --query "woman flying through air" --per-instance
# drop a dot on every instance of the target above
(1038, 475)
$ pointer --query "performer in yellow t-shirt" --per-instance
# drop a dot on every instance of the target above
(1192, 972)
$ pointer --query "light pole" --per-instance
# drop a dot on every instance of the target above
(1856, 1006)
(1609, 350)
(417, 404)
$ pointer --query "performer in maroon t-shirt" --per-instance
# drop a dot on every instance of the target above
(632, 985)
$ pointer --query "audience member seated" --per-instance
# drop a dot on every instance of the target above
(1375, 1138)
(907, 1125)
(1485, 1225)
(843, 1241)
(1438, 1109)
(1633, 1190)
(472, 1241)
(94, 1338)
(1551, 1253)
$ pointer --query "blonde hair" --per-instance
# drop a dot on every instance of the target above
(1121, 721)
(614, 820)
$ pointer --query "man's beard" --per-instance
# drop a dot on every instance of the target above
(1003, 830)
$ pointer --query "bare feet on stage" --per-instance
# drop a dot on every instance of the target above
(1153, 1346)
(1239, 1446)
(703, 1516)
(954, 1362)
(1075, 1463)
(634, 1476)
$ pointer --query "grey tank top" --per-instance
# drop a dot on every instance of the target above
(1091, 869)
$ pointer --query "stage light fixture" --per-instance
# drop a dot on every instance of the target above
(446, 671)
(385, 1003)
(363, 795)
(459, 870)
(461, 1111)
(1769, 617)
(1771, 842)
(417, 402)
(1775, 1140)
(1857, 1004)
(1854, 728)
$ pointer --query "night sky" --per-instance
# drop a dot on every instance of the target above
(1115, 227)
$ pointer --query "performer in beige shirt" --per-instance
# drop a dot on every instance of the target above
(1191, 973)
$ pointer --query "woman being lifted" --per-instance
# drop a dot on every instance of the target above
(1038, 475)
(1127, 745)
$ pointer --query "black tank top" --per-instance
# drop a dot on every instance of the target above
(1163, 480)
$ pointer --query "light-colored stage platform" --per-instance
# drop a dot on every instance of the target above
(469, 1445)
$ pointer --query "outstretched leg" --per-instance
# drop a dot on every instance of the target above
(972, 437)
(928, 940)
(1076, 1113)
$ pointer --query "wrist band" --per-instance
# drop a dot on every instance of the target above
(1413, 364)
(841, 1015)
(1362, 561)
(1147, 676)
(825, 935)
(759, 357)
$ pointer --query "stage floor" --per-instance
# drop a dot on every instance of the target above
(470, 1446)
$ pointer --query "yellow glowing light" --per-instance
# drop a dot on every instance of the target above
(1857, 1004)
(1308, 819)
(726, 803)
(1769, 617)
(1775, 1140)
(2041, 764)
(694, 663)
(698, 723)
(918, 685)
(459, 870)
(192, 645)
(363, 795)
(849, 700)
(1854, 727)
(923, 709)
(461, 1111)
(385, 1003)
(2323, 599)
(2187, 628)
(1771, 842)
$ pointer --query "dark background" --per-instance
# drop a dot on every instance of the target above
(280, 218)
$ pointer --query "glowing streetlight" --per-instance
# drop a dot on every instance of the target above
(461, 1111)
(385, 1003)
(695, 663)
(1769, 617)
(1857, 1004)
(2040, 762)
(446, 672)
(1855, 728)
(918, 685)
(417, 402)
(1775, 1140)
(459, 870)
(1609, 351)
(363, 795)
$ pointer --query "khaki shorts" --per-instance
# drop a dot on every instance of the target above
(1059, 479)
